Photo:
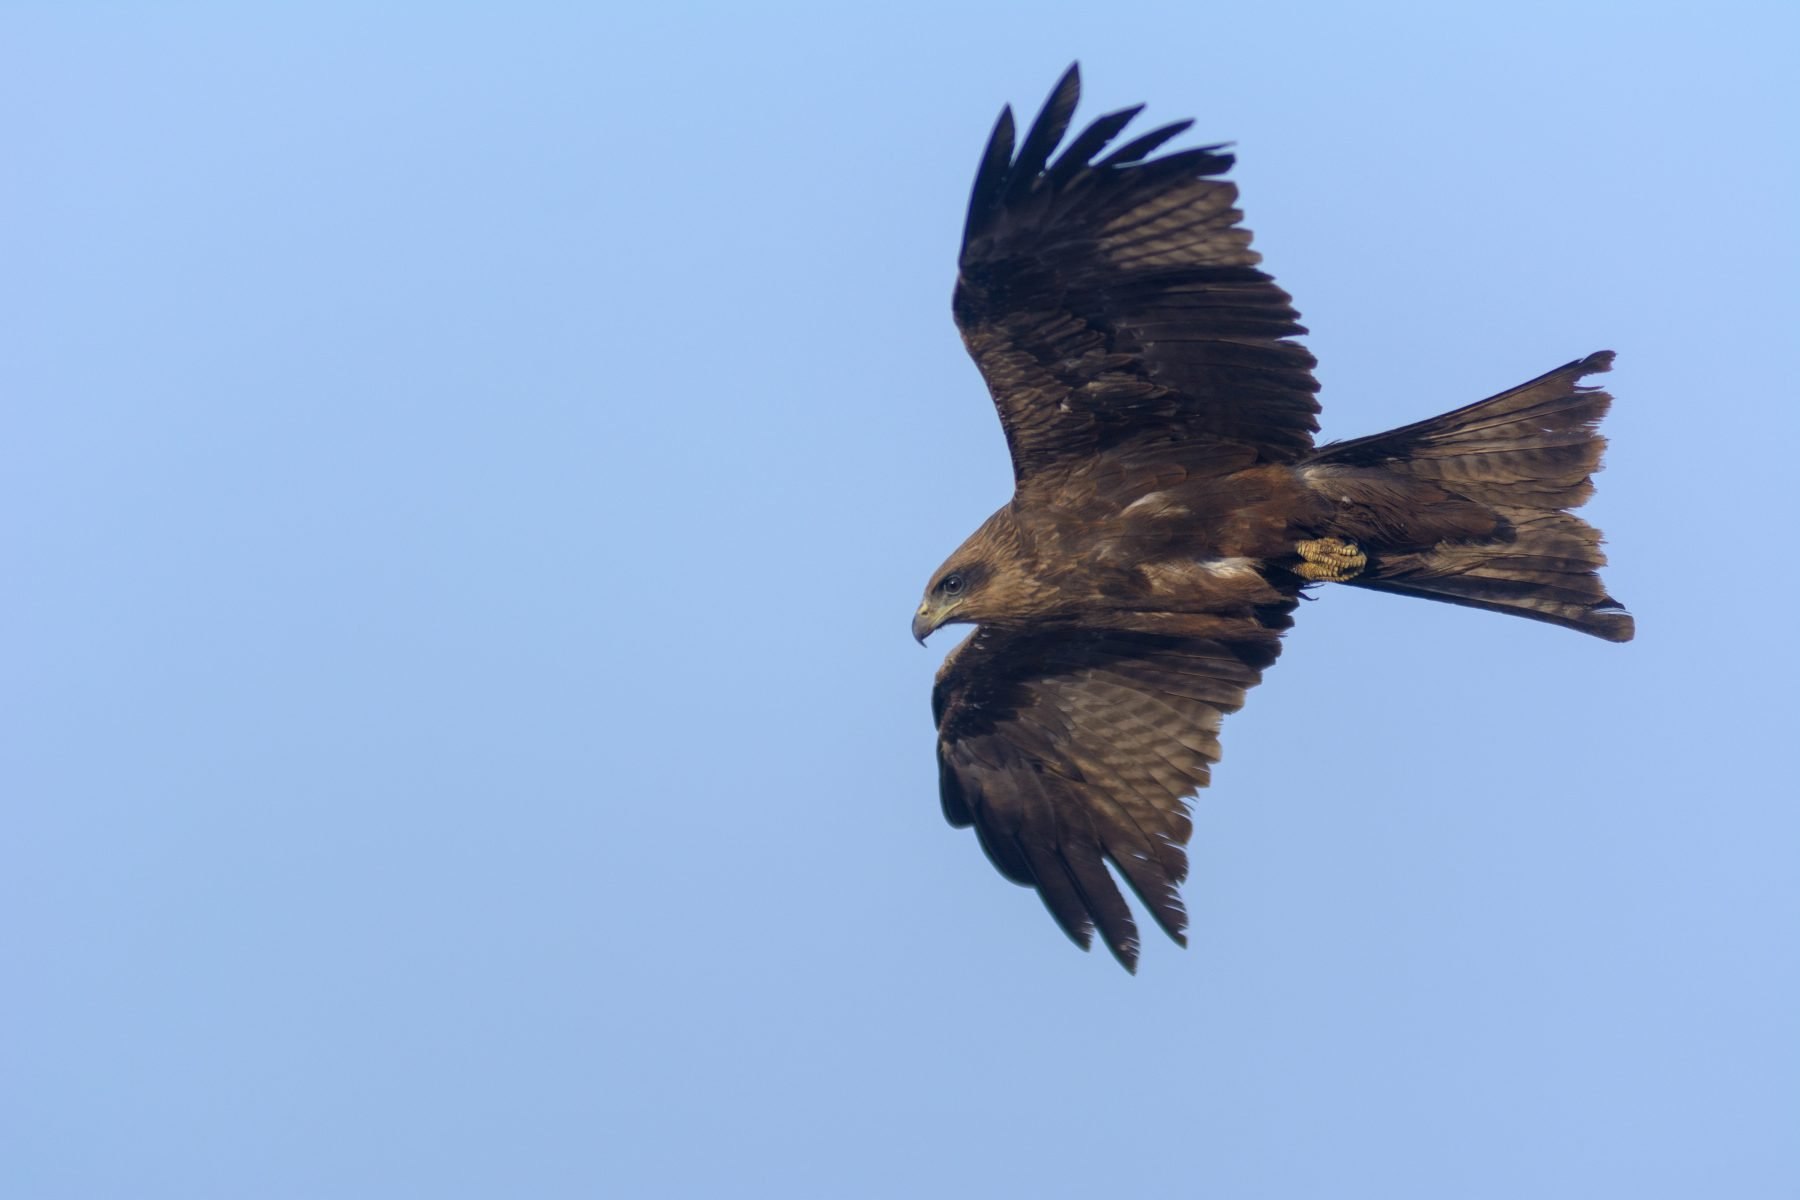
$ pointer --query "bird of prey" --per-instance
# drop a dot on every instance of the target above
(1170, 508)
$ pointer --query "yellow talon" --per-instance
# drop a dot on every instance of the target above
(1329, 560)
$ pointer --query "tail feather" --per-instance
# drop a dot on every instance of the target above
(1528, 456)
(1541, 565)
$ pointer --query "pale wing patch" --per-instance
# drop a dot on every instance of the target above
(1185, 575)
(1155, 504)
(1230, 568)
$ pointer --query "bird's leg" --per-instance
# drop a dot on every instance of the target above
(1329, 560)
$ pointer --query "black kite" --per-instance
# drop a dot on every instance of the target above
(1170, 508)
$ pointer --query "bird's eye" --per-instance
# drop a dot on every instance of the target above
(952, 585)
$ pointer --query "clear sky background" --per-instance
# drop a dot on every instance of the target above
(467, 475)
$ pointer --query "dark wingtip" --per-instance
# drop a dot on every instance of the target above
(1080, 152)
(990, 178)
(1125, 947)
(1134, 151)
(1046, 131)
(1121, 937)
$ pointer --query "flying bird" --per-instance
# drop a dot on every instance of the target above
(1170, 509)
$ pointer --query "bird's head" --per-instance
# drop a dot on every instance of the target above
(987, 579)
(951, 598)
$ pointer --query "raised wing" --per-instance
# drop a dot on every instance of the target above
(1067, 749)
(1116, 301)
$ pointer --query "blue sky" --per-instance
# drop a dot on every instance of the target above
(467, 475)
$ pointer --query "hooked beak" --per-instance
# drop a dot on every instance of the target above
(923, 624)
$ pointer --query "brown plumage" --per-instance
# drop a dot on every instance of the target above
(1170, 507)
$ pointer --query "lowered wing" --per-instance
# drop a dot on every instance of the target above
(1071, 748)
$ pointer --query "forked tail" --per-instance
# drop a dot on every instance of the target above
(1473, 507)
